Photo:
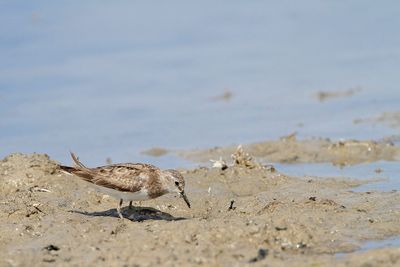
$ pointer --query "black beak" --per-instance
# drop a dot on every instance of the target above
(183, 195)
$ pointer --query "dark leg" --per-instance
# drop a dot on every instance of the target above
(119, 209)
(130, 205)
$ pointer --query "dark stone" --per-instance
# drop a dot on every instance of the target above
(51, 248)
(262, 254)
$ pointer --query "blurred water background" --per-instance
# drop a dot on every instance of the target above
(108, 79)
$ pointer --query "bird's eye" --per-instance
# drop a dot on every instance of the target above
(177, 183)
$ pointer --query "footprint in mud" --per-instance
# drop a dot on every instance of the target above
(136, 214)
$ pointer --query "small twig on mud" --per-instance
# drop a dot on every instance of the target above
(43, 190)
(36, 206)
(231, 207)
(38, 189)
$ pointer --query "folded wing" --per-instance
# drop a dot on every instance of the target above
(122, 177)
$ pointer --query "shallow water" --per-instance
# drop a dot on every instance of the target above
(112, 79)
(376, 244)
(391, 242)
(383, 175)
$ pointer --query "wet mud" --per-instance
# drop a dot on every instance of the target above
(390, 119)
(328, 95)
(243, 214)
(289, 149)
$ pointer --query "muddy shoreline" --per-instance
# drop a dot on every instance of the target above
(241, 215)
(288, 149)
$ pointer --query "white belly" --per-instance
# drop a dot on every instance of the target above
(127, 196)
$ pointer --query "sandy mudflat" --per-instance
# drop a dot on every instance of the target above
(290, 150)
(391, 119)
(243, 215)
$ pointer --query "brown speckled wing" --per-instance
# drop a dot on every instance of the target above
(126, 177)
(123, 177)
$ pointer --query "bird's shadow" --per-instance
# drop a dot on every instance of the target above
(136, 214)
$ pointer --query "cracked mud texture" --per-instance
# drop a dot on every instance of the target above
(240, 216)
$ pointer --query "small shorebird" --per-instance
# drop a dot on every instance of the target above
(130, 181)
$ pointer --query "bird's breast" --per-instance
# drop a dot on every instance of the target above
(127, 196)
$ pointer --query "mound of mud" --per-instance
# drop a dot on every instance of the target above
(18, 171)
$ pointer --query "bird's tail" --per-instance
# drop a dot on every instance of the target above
(79, 169)
(78, 165)
(68, 169)
(77, 162)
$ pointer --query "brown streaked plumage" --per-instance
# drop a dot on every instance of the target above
(130, 181)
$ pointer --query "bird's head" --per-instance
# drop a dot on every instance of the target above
(176, 183)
